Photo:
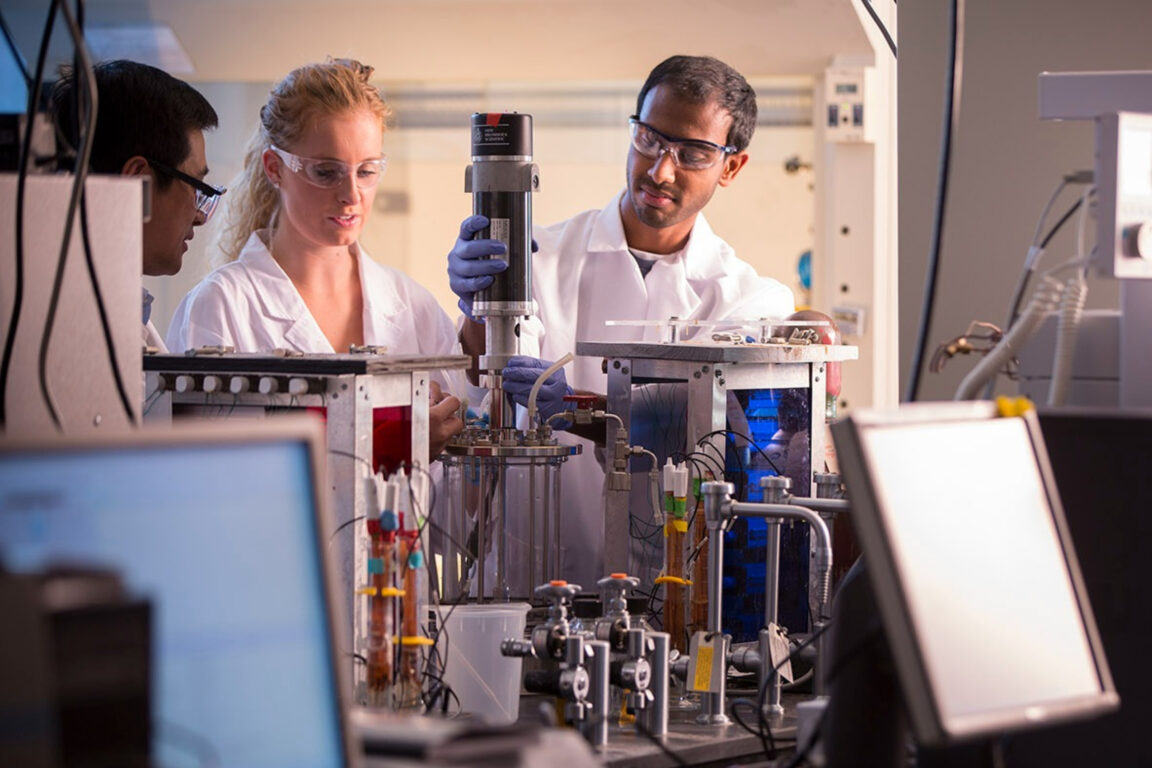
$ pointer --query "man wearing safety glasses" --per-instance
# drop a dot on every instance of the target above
(150, 124)
(648, 255)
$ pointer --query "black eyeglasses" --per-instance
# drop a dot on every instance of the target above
(689, 154)
(207, 196)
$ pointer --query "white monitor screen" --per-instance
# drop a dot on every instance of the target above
(976, 580)
(221, 536)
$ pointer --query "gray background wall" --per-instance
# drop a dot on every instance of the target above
(1006, 162)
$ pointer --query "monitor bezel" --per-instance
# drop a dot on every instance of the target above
(869, 521)
(289, 427)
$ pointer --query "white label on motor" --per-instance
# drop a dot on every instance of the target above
(500, 229)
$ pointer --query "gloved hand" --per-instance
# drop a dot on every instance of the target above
(469, 269)
(519, 376)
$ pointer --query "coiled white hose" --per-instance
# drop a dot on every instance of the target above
(1044, 299)
(1067, 330)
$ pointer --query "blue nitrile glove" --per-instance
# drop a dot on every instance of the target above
(519, 376)
(469, 268)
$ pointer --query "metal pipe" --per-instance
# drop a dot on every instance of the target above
(769, 675)
(820, 683)
(820, 505)
(656, 715)
(772, 572)
(595, 728)
(556, 527)
(716, 498)
(719, 507)
(544, 548)
(822, 557)
(532, 467)
(775, 492)
(481, 533)
(502, 555)
(771, 613)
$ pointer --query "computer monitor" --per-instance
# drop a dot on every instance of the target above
(223, 527)
(973, 571)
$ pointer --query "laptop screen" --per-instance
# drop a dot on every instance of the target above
(220, 532)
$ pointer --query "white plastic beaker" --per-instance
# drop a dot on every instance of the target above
(487, 683)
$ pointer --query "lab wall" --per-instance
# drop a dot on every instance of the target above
(1005, 162)
(767, 214)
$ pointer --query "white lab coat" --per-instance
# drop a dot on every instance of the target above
(583, 275)
(252, 305)
(152, 338)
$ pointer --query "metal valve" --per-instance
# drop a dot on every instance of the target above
(614, 591)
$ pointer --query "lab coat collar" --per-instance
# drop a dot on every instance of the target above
(382, 303)
(282, 302)
(608, 232)
(608, 237)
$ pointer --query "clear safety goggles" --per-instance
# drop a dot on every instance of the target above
(689, 154)
(327, 174)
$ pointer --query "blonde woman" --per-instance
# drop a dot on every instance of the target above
(297, 277)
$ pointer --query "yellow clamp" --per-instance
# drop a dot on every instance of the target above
(384, 592)
(413, 640)
(1013, 406)
(626, 717)
(673, 580)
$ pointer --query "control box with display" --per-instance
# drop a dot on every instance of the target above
(1124, 194)
(846, 108)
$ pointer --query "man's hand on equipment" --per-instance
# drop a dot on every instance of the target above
(469, 267)
(519, 376)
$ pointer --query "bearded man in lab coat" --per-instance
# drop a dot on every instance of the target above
(647, 255)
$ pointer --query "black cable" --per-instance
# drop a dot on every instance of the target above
(709, 463)
(643, 731)
(419, 536)
(950, 123)
(442, 631)
(1018, 298)
(109, 344)
(742, 485)
(1038, 245)
(21, 184)
(431, 485)
(769, 751)
(351, 455)
(73, 202)
(732, 434)
(344, 525)
(801, 753)
(447, 535)
(1056, 227)
(883, 29)
(15, 51)
(763, 692)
